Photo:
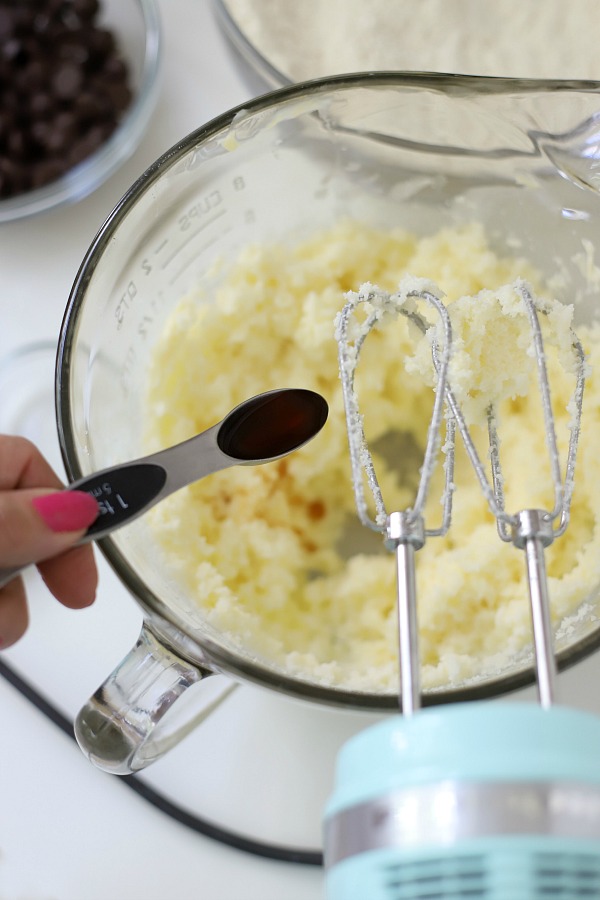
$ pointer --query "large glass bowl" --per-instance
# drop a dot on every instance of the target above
(419, 151)
(278, 42)
(136, 27)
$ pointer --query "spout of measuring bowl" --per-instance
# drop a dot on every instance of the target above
(576, 155)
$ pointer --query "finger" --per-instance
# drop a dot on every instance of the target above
(72, 577)
(37, 525)
(23, 466)
(14, 617)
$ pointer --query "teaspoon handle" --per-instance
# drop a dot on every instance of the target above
(123, 492)
(127, 490)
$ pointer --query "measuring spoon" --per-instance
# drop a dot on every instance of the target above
(262, 429)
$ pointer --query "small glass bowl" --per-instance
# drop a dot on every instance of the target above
(136, 26)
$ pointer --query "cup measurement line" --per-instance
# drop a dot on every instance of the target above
(161, 246)
(193, 259)
(167, 262)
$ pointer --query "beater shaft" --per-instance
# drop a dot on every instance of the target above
(534, 524)
(401, 534)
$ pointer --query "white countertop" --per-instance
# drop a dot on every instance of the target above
(262, 765)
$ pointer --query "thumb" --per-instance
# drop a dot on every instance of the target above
(37, 525)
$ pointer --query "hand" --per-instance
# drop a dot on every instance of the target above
(40, 523)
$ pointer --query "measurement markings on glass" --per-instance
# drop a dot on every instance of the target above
(190, 237)
(161, 246)
(193, 258)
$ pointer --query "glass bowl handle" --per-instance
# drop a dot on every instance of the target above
(124, 726)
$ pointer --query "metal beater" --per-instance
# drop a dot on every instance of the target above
(532, 530)
(496, 801)
(404, 530)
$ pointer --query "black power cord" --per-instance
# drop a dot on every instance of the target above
(159, 801)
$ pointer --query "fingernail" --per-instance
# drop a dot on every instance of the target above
(67, 510)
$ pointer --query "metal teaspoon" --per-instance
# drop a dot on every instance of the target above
(262, 429)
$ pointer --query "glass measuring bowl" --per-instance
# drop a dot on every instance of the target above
(415, 151)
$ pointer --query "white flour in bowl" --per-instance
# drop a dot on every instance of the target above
(516, 38)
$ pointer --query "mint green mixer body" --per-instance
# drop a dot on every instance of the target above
(490, 800)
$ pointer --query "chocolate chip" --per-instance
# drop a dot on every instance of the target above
(11, 102)
(13, 51)
(42, 23)
(115, 69)
(7, 24)
(118, 94)
(39, 131)
(13, 177)
(41, 105)
(60, 133)
(93, 139)
(86, 9)
(89, 107)
(67, 81)
(101, 43)
(73, 49)
(24, 18)
(31, 77)
(18, 144)
(45, 172)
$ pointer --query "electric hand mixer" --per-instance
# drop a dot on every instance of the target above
(482, 800)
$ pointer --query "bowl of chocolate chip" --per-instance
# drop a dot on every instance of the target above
(78, 85)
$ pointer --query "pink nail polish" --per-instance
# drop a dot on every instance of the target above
(67, 510)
